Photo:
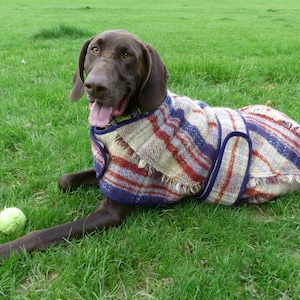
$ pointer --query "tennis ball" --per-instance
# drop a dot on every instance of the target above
(12, 220)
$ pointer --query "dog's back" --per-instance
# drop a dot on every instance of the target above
(275, 164)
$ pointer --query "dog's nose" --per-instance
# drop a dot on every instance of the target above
(96, 85)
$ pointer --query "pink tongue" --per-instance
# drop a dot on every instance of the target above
(100, 115)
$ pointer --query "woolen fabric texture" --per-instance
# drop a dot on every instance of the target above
(188, 149)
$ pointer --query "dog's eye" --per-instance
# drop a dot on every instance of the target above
(127, 55)
(95, 50)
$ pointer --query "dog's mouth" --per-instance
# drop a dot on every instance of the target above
(101, 115)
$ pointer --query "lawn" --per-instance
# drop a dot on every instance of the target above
(230, 53)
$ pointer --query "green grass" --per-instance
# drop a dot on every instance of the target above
(62, 31)
(231, 53)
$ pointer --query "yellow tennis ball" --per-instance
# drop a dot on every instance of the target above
(12, 220)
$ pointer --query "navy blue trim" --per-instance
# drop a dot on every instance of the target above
(212, 179)
(246, 178)
(206, 190)
(103, 151)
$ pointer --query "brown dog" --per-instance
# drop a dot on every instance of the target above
(126, 77)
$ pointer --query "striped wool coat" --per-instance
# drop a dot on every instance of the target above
(188, 149)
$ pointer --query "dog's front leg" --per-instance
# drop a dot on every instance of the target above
(75, 180)
(110, 214)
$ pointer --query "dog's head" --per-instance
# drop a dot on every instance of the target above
(120, 74)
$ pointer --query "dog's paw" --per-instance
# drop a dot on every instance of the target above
(65, 183)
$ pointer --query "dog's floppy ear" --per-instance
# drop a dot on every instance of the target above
(154, 87)
(78, 78)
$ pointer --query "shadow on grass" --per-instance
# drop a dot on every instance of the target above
(62, 31)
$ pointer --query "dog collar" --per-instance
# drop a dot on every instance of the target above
(116, 120)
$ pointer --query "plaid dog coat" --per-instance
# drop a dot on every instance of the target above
(186, 148)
